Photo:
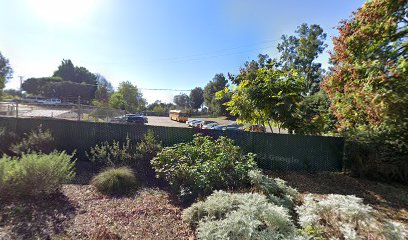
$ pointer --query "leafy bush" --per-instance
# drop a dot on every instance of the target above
(149, 146)
(116, 154)
(239, 216)
(203, 165)
(146, 150)
(7, 138)
(115, 181)
(346, 217)
(112, 154)
(34, 174)
(36, 141)
(276, 190)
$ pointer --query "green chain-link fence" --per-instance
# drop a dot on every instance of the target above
(274, 151)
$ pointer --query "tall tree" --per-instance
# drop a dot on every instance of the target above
(300, 51)
(66, 71)
(367, 83)
(128, 98)
(6, 72)
(196, 98)
(215, 105)
(104, 89)
(182, 100)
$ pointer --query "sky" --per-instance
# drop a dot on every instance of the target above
(155, 44)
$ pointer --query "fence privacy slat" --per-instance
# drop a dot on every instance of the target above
(274, 151)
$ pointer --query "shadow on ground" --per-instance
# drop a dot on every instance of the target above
(390, 199)
(35, 218)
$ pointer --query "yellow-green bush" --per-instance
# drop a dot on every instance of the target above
(115, 181)
(34, 174)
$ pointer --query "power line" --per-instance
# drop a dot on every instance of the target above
(148, 89)
(217, 51)
(203, 56)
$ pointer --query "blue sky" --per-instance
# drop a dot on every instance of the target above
(155, 43)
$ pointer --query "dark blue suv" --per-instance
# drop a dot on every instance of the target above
(134, 118)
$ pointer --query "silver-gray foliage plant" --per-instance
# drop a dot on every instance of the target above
(239, 216)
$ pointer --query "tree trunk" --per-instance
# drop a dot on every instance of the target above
(270, 127)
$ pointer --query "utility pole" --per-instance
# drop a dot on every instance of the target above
(79, 108)
(16, 109)
(21, 85)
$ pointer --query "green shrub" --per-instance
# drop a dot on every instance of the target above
(203, 165)
(35, 141)
(112, 154)
(346, 217)
(146, 150)
(239, 216)
(148, 147)
(7, 138)
(277, 191)
(34, 174)
(115, 181)
(137, 156)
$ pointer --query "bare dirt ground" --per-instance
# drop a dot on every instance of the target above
(79, 212)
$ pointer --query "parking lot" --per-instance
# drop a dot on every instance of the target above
(165, 121)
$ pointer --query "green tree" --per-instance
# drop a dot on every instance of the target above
(249, 70)
(6, 72)
(273, 96)
(160, 107)
(216, 105)
(196, 98)
(315, 116)
(66, 70)
(182, 101)
(299, 53)
(68, 82)
(103, 91)
(56, 87)
(367, 83)
(128, 98)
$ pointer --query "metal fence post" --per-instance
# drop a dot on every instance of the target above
(16, 109)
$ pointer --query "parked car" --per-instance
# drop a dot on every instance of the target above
(197, 123)
(219, 127)
(210, 125)
(50, 101)
(235, 126)
(203, 123)
(189, 121)
(133, 118)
